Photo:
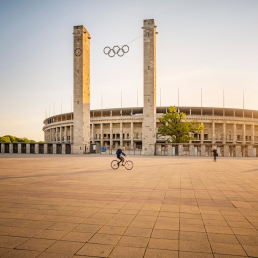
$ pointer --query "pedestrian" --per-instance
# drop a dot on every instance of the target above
(215, 154)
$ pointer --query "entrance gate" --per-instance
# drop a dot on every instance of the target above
(49, 149)
(32, 148)
(23, 148)
(58, 149)
(41, 148)
(6, 147)
(15, 147)
(68, 149)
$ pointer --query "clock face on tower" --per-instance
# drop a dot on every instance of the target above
(78, 52)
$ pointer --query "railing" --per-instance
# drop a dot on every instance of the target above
(129, 152)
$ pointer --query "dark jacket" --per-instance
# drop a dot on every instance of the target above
(119, 152)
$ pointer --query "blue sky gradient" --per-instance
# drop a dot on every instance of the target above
(201, 44)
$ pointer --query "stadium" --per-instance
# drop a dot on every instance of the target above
(231, 131)
(234, 132)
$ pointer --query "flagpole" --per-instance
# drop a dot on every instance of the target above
(223, 100)
(178, 99)
(137, 97)
(101, 100)
(201, 97)
(160, 96)
(243, 99)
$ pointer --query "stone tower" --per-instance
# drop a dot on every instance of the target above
(149, 87)
(81, 90)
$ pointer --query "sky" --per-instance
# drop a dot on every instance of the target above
(202, 45)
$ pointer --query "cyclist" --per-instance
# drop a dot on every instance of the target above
(119, 154)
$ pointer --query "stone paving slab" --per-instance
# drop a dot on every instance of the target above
(77, 206)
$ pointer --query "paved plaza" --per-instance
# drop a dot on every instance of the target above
(54, 206)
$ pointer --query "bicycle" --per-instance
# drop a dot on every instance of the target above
(128, 164)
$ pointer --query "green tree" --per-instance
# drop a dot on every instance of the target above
(24, 139)
(5, 139)
(175, 126)
(10, 138)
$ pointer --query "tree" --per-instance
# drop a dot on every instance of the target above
(5, 139)
(175, 126)
(24, 139)
(10, 138)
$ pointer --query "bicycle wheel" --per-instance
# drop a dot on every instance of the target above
(129, 165)
(114, 164)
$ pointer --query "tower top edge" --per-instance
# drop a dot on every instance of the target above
(80, 27)
(149, 23)
(149, 20)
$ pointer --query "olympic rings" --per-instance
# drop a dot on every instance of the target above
(116, 50)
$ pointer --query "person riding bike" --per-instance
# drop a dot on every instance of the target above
(119, 154)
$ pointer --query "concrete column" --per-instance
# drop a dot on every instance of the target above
(54, 148)
(249, 151)
(2, 147)
(111, 135)
(93, 133)
(10, 147)
(101, 134)
(170, 150)
(226, 151)
(132, 135)
(36, 148)
(27, 148)
(191, 150)
(252, 128)
(158, 149)
(224, 136)
(238, 151)
(202, 135)
(121, 134)
(60, 133)
(45, 148)
(234, 134)
(243, 130)
(65, 133)
(213, 132)
(180, 150)
(244, 150)
(19, 147)
(63, 148)
(203, 149)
